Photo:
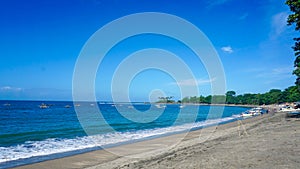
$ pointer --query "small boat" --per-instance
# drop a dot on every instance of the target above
(181, 106)
(160, 106)
(293, 114)
(6, 104)
(287, 109)
(253, 112)
(157, 106)
(68, 106)
(77, 105)
(247, 114)
(44, 106)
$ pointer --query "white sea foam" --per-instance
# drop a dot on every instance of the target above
(56, 145)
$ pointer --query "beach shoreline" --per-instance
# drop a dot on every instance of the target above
(206, 142)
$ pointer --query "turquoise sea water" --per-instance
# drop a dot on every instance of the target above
(29, 134)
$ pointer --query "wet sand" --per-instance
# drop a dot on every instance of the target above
(268, 141)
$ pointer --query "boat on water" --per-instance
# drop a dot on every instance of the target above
(6, 104)
(160, 106)
(68, 106)
(44, 106)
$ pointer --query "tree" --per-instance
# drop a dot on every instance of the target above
(275, 96)
(201, 99)
(294, 18)
(218, 99)
(166, 99)
(292, 94)
(185, 100)
(194, 99)
(208, 99)
(230, 97)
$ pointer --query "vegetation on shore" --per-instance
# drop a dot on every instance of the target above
(167, 99)
(294, 18)
(274, 96)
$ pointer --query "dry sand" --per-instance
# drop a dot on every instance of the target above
(268, 141)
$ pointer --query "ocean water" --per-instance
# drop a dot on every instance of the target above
(30, 134)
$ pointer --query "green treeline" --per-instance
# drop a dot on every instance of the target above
(274, 96)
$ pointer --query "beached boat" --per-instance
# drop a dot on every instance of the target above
(287, 109)
(246, 114)
(44, 106)
(253, 112)
(295, 114)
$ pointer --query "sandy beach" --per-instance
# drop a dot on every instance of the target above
(267, 141)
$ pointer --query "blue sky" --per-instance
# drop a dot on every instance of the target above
(41, 40)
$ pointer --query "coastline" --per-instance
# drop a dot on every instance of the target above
(49, 149)
(155, 153)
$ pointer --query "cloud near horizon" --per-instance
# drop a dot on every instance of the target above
(276, 74)
(193, 82)
(9, 88)
(227, 49)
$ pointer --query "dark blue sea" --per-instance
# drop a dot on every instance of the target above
(30, 133)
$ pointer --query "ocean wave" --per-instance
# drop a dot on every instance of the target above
(50, 146)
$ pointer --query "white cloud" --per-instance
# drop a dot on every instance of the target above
(276, 74)
(213, 3)
(278, 24)
(244, 16)
(9, 88)
(193, 82)
(227, 49)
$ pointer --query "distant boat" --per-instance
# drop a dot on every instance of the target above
(160, 106)
(44, 106)
(6, 104)
(68, 106)
(181, 106)
(77, 105)
(157, 106)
